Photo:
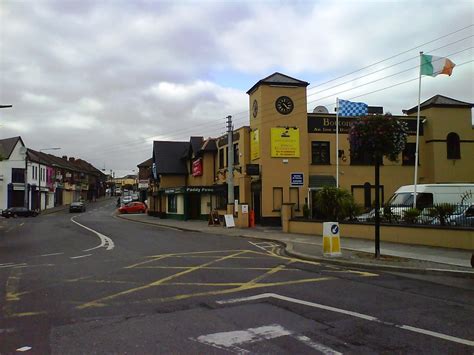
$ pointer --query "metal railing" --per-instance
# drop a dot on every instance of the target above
(452, 215)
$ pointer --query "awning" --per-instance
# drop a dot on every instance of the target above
(318, 181)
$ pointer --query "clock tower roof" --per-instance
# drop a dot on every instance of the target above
(278, 79)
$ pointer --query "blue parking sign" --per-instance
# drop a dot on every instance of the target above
(297, 179)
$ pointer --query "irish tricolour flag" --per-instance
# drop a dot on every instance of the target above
(432, 66)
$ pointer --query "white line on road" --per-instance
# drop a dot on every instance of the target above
(13, 265)
(317, 346)
(350, 313)
(80, 256)
(233, 340)
(52, 254)
(105, 242)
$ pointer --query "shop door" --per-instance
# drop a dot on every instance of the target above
(256, 205)
(194, 206)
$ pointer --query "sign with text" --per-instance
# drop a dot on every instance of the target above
(197, 167)
(297, 179)
(254, 144)
(285, 142)
(328, 125)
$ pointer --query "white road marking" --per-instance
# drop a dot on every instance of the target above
(265, 246)
(105, 242)
(7, 330)
(52, 254)
(317, 346)
(234, 340)
(80, 256)
(24, 348)
(13, 265)
(350, 313)
(6, 264)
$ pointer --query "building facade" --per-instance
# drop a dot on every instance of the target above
(286, 154)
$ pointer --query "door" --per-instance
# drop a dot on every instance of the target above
(256, 205)
(194, 206)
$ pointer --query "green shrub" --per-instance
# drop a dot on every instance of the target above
(305, 210)
(333, 204)
(411, 215)
(441, 211)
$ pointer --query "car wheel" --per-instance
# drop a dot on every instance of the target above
(14, 215)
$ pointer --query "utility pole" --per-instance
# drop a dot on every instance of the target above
(230, 163)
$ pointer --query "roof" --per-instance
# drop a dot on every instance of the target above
(78, 165)
(209, 145)
(7, 145)
(278, 79)
(196, 144)
(146, 164)
(439, 101)
(170, 157)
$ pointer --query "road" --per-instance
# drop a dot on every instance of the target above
(93, 283)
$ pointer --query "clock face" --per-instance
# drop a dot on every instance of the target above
(255, 108)
(284, 105)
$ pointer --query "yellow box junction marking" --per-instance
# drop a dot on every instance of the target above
(234, 286)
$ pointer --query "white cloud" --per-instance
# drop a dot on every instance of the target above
(98, 78)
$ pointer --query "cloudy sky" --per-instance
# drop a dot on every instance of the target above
(102, 79)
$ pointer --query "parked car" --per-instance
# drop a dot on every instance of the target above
(133, 207)
(462, 216)
(18, 212)
(77, 207)
(135, 196)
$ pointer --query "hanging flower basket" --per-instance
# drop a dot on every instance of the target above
(378, 136)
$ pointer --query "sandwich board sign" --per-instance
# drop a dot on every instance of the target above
(229, 220)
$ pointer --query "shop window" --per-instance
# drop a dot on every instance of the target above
(277, 198)
(172, 203)
(453, 146)
(18, 175)
(363, 158)
(236, 154)
(295, 197)
(408, 154)
(221, 158)
(320, 153)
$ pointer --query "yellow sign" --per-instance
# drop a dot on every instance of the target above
(254, 145)
(285, 142)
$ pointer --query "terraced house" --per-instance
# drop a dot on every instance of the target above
(48, 180)
(287, 153)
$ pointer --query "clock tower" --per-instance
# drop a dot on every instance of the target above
(279, 145)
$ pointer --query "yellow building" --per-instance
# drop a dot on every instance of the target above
(286, 154)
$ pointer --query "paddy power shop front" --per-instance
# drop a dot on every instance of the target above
(192, 202)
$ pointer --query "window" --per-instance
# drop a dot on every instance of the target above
(221, 201)
(363, 158)
(18, 175)
(172, 203)
(453, 146)
(221, 158)
(320, 153)
(295, 197)
(277, 198)
(226, 155)
(408, 154)
(236, 154)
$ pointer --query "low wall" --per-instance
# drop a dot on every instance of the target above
(420, 235)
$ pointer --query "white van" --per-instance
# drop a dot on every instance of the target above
(433, 194)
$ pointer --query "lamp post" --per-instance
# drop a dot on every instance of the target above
(40, 174)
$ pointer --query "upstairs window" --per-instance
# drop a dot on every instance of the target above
(453, 146)
(408, 154)
(320, 153)
(221, 158)
(18, 175)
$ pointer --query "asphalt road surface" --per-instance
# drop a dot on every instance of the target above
(93, 283)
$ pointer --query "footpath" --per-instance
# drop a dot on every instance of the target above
(355, 252)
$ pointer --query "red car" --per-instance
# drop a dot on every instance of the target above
(133, 207)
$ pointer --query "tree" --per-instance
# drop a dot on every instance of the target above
(378, 136)
(331, 203)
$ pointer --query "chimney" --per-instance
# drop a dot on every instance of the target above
(71, 159)
(65, 157)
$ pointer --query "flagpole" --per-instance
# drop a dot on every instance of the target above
(337, 142)
(417, 146)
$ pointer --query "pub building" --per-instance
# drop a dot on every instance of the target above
(286, 154)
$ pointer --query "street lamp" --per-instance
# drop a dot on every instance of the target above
(39, 180)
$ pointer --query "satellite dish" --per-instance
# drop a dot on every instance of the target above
(320, 109)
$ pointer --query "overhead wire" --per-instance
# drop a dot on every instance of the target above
(236, 119)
